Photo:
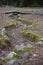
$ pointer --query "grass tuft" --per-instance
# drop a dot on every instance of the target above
(30, 35)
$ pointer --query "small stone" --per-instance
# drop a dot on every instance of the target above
(25, 25)
(29, 45)
(30, 26)
(3, 52)
(3, 31)
(30, 59)
(20, 47)
(34, 55)
(11, 54)
(41, 39)
(13, 34)
(1, 60)
(39, 43)
(20, 24)
(13, 62)
(24, 55)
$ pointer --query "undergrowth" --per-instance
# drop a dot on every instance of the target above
(30, 36)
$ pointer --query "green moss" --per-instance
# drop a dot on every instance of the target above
(31, 36)
(23, 32)
(26, 22)
(19, 18)
(1, 46)
(12, 21)
(16, 55)
(6, 59)
(28, 49)
(10, 26)
(14, 50)
(33, 24)
(25, 28)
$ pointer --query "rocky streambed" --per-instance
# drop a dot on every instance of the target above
(21, 39)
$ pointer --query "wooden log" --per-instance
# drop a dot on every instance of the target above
(18, 12)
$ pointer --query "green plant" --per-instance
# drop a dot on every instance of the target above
(7, 41)
(6, 59)
(31, 36)
(23, 31)
(10, 26)
(15, 50)
(19, 18)
(13, 21)
(4, 36)
(28, 49)
(18, 15)
(26, 22)
(1, 46)
(16, 55)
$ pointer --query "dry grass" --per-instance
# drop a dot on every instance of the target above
(7, 8)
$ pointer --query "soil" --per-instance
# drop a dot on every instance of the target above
(17, 39)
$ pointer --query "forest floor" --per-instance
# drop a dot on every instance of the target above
(17, 39)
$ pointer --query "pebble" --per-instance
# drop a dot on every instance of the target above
(29, 45)
(34, 55)
(20, 47)
(13, 62)
(39, 43)
(11, 54)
